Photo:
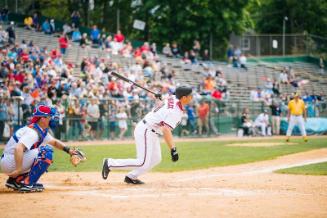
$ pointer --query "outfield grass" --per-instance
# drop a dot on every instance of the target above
(312, 169)
(193, 155)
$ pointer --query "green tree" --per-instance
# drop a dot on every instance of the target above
(184, 21)
(305, 15)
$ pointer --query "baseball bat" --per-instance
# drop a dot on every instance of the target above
(157, 95)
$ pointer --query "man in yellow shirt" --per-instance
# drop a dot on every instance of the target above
(296, 115)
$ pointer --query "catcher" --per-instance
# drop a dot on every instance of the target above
(28, 153)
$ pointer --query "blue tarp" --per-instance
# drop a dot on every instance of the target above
(312, 126)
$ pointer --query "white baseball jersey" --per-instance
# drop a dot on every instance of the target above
(169, 114)
(28, 137)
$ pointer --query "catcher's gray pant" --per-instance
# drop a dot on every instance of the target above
(8, 163)
(148, 152)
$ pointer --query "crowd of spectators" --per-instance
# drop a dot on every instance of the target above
(93, 104)
(93, 100)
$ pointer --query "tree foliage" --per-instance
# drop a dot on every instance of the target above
(184, 21)
(303, 16)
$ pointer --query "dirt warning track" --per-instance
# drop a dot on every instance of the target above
(248, 190)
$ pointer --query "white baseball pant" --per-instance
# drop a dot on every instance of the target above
(8, 163)
(148, 152)
(263, 127)
(296, 120)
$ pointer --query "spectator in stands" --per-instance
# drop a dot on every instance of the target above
(242, 60)
(213, 114)
(321, 64)
(256, 95)
(95, 35)
(275, 88)
(246, 122)
(74, 115)
(93, 114)
(4, 15)
(230, 55)
(167, 50)
(209, 84)
(52, 26)
(112, 120)
(283, 78)
(28, 22)
(262, 121)
(108, 44)
(63, 44)
(175, 50)
(186, 58)
(75, 16)
(11, 33)
(127, 50)
(154, 48)
(36, 22)
(76, 36)
(268, 87)
(276, 112)
(84, 41)
(66, 29)
(217, 94)
(46, 27)
(4, 115)
(203, 117)
(237, 52)
(191, 117)
(193, 57)
(119, 37)
(206, 56)
(196, 49)
(122, 122)
(3, 37)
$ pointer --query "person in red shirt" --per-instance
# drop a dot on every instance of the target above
(63, 44)
(217, 94)
(145, 47)
(119, 37)
(203, 117)
(20, 76)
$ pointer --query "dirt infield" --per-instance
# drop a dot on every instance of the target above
(249, 190)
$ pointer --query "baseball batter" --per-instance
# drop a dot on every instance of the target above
(296, 115)
(160, 121)
(28, 153)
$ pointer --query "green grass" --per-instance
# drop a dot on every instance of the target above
(193, 155)
(312, 169)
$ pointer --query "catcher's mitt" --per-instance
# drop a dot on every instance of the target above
(77, 156)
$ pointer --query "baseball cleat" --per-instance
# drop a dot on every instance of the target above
(30, 188)
(12, 184)
(105, 169)
(133, 181)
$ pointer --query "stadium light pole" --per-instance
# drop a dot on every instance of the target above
(284, 22)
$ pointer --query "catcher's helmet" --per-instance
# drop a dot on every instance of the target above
(182, 91)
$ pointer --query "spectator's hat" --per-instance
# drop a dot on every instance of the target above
(296, 94)
(12, 23)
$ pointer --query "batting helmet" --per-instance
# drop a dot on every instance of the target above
(182, 91)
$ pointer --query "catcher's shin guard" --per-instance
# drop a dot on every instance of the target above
(40, 165)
